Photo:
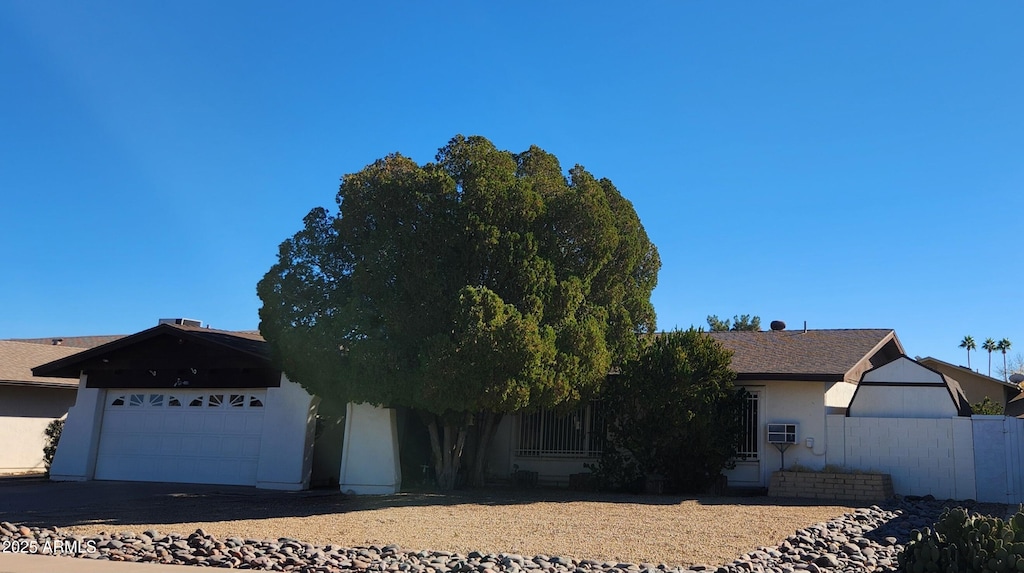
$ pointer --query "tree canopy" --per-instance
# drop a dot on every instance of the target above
(739, 322)
(486, 282)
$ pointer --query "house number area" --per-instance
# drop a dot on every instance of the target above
(49, 547)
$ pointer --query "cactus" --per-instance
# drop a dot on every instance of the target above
(964, 542)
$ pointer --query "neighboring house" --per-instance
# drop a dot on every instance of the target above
(29, 403)
(975, 385)
(793, 376)
(181, 403)
(1015, 407)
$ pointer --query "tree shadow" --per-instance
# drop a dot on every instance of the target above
(121, 504)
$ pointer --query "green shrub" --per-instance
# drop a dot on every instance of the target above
(987, 408)
(676, 412)
(52, 437)
(617, 472)
(965, 542)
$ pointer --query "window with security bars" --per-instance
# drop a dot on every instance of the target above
(579, 433)
(749, 446)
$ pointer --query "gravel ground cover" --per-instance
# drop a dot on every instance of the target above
(548, 533)
(623, 528)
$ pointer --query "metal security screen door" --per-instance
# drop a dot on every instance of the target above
(750, 446)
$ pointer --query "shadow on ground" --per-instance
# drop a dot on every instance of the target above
(37, 502)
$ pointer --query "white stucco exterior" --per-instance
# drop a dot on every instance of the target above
(75, 459)
(23, 448)
(785, 402)
(25, 411)
(286, 448)
(838, 396)
(369, 461)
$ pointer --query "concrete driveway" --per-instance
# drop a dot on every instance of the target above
(39, 502)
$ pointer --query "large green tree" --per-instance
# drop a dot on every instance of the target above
(481, 284)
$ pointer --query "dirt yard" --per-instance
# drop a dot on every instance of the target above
(622, 528)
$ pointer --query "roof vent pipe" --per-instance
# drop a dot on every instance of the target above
(805, 326)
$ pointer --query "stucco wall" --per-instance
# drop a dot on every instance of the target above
(286, 447)
(24, 414)
(800, 403)
(788, 402)
(75, 459)
(977, 390)
(975, 385)
(23, 444)
(838, 396)
(924, 455)
(369, 461)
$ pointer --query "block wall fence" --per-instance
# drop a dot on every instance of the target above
(980, 458)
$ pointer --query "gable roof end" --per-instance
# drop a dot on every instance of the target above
(248, 343)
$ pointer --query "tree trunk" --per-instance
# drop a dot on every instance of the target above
(446, 445)
(488, 427)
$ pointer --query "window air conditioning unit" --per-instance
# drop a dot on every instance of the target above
(782, 433)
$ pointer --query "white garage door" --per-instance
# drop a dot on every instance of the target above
(210, 436)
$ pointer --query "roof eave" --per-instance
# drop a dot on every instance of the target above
(40, 384)
(796, 377)
(65, 367)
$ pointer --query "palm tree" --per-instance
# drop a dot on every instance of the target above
(968, 343)
(1004, 345)
(990, 345)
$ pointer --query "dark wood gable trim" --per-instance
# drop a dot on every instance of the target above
(168, 357)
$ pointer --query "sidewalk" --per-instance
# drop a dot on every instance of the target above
(24, 563)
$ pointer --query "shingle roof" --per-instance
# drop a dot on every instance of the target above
(831, 353)
(79, 342)
(18, 358)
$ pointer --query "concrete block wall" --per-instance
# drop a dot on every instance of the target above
(832, 486)
(923, 455)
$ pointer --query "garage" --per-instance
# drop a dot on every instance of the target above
(182, 403)
(187, 437)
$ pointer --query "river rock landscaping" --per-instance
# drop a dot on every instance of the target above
(867, 539)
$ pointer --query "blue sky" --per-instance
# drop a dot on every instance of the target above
(851, 165)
